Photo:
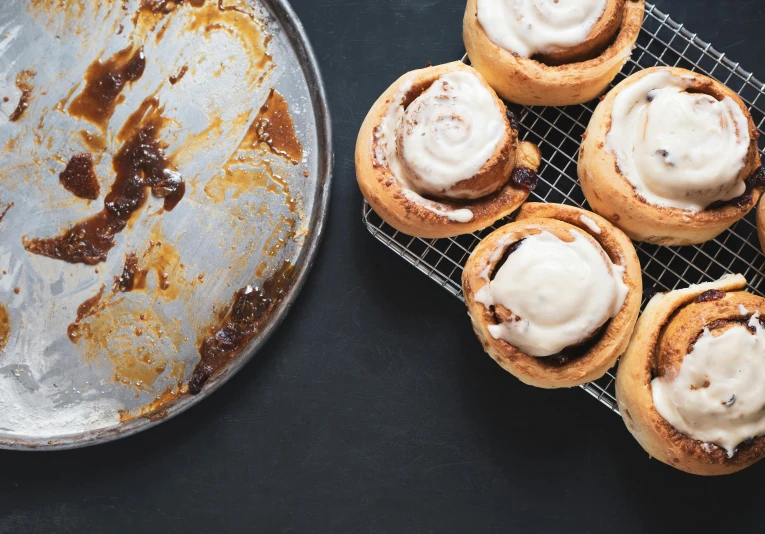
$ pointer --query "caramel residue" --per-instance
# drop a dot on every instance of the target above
(160, 257)
(105, 82)
(243, 320)
(157, 408)
(175, 78)
(87, 309)
(5, 327)
(236, 180)
(5, 210)
(274, 127)
(24, 83)
(95, 142)
(240, 23)
(132, 277)
(106, 326)
(139, 165)
(272, 130)
(79, 177)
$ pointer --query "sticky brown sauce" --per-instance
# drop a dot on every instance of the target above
(157, 409)
(142, 165)
(160, 257)
(5, 210)
(79, 177)
(95, 142)
(175, 78)
(87, 309)
(5, 327)
(104, 83)
(139, 165)
(24, 83)
(274, 127)
(106, 328)
(244, 320)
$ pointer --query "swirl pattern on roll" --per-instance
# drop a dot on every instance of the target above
(689, 386)
(553, 293)
(529, 27)
(678, 148)
(438, 154)
(448, 133)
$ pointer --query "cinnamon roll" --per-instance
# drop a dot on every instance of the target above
(551, 52)
(438, 154)
(689, 386)
(670, 157)
(554, 295)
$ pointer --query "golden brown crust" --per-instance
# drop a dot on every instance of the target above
(385, 193)
(613, 197)
(534, 83)
(613, 338)
(664, 334)
(601, 34)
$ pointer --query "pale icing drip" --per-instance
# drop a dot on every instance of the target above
(449, 133)
(469, 126)
(560, 293)
(717, 396)
(676, 148)
(589, 223)
(529, 27)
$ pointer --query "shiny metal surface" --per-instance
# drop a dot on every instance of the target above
(53, 394)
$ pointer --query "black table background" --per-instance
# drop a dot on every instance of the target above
(373, 408)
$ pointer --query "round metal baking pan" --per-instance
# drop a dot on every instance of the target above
(287, 30)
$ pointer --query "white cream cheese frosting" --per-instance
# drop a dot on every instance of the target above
(444, 136)
(560, 293)
(678, 148)
(449, 133)
(528, 27)
(718, 395)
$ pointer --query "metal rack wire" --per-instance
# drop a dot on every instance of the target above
(558, 132)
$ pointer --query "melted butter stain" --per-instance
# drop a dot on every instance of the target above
(137, 339)
(109, 332)
(272, 130)
(274, 127)
(235, 180)
(280, 236)
(5, 210)
(164, 260)
(157, 408)
(5, 327)
(95, 142)
(24, 84)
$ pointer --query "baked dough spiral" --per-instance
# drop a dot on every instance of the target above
(554, 295)
(689, 386)
(438, 154)
(670, 157)
(551, 52)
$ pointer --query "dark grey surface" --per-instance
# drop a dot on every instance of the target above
(373, 408)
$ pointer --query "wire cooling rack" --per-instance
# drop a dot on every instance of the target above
(558, 133)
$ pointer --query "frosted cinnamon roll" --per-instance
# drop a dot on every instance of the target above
(554, 296)
(689, 386)
(438, 154)
(670, 157)
(551, 52)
